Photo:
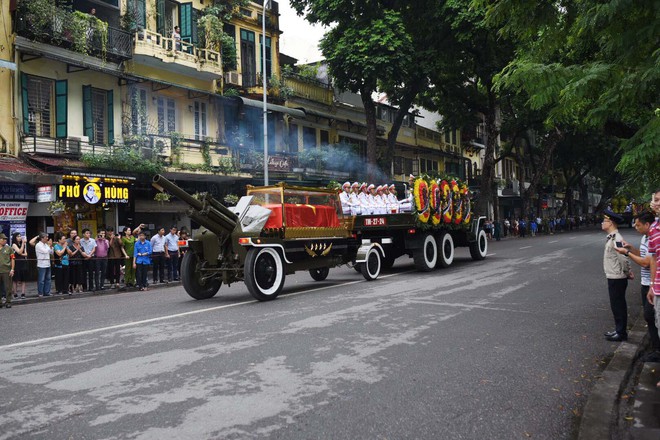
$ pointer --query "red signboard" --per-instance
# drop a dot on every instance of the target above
(375, 221)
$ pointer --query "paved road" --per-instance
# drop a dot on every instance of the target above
(504, 348)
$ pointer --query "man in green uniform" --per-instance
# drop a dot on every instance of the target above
(6, 268)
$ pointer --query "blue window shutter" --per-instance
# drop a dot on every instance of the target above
(195, 26)
(111, 118)
(61, 108)
(88, 125)
(160, 19)
(141, 14)
(24, 97)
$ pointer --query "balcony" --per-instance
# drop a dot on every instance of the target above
(309, 89)
(153, 49)
(75, 31)
(70, 148)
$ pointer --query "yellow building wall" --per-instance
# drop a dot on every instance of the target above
(57, 71)
(7, 75)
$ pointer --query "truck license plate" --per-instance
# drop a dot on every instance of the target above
(375, 221)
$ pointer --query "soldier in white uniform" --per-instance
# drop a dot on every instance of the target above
(394, 202)
(356, 207)
(371, 198)
(344, 197)
(406, 205)
(381, 208)
(362, 198)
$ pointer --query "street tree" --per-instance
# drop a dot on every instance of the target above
(596, 65)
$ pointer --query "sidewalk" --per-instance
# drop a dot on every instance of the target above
(32, 297)
(625, 403)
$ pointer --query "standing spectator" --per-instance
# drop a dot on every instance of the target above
(172, 254)
(44, 250)
(654, 251)
(89, 266)
(522, 227)
(158, 255)
(75, 265)
(61, 266)
(488, 227)
(20, 263)
(183, 246)
(128, 242)
(142, 260)
(533, 227)
(176, 36)
(6, 268)
(643, 224)
(498, 230)
(507, 226)
(72, 234)
(101, 259)
(116, 255)
(617, 272)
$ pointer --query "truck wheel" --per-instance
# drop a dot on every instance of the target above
(426, 257)
(319, 274)
(388, 262)
(371, 267)
(264, 273)
(446, 250)
(479, 248)
(196, 286)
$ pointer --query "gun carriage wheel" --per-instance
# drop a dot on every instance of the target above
(196, 284)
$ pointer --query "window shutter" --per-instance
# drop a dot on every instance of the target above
(141, 14)
(185, 21)
(61, 108)
(160, 19)
(88, 125)
(111, 118)
(24, 98)
(195, 26)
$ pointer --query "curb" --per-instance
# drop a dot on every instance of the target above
(601, 412)
(97, 293)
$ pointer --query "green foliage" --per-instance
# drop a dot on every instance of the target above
(226, 165)
(175, 142)
(280, 88)
(231, 199)
(206, 152)
(211, 22)
(123, 158)
(162, 197)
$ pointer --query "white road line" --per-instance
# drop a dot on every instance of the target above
(176, 315)
(525, 247)
(553, 241)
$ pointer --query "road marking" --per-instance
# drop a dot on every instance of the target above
(572, 238)
(177, 315)
(525, 247)
(554, 241)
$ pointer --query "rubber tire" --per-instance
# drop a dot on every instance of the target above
(319, 274)
(191, 282)
(371, 267)
(479, 248)
(447, 250)
(424, 262)
(253, 269)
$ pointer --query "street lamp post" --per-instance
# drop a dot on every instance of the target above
(263, 76)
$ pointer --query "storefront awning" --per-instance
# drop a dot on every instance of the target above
(13, 169)
(316, 113)
(272, 107)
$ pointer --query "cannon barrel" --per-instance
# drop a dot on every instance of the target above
(209, 213)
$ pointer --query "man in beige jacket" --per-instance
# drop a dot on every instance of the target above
(617, 271)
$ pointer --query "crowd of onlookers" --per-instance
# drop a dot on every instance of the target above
(531, 226)
(85, 262)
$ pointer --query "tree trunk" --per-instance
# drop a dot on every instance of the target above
(402, 111)
(370, 115)
(492, 121)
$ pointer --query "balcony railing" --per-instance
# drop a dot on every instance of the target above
(167, 48)
(309, 89)
(71, 147)
(73, 31)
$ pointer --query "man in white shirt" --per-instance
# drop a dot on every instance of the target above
(44, 250)
(394, 202)
(354, 202)
(365, 207)
(172, 254)
(158, 255)
(344, 197)
(89, 264)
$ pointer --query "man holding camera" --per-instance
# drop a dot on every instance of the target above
(618, 272)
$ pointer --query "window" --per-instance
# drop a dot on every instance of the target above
(359, 146)
(246, 12)
(38, 96)
(453, 137)
(403, 165)
(269, 56)
(309, 137)
(99, 116)
(325, 137)
(139, 111)
(248, 59)
(428, 165)
(447, 137)
(166, 115)
(293, 138)
(200, 120)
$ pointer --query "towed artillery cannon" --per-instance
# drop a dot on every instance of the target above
(272, 232)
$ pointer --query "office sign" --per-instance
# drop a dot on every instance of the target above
(13, 211)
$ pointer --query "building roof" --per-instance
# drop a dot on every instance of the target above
(50, 162)
(14, 169)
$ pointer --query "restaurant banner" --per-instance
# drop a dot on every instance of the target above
(93, 192)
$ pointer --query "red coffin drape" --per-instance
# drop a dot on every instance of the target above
(297, 216)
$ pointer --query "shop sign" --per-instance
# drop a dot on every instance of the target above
(93, 193)
(45, 194)
(17, 191)
(279, 163)
(13, 211)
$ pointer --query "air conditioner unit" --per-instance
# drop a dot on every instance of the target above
(232, 78)
(163, 145)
